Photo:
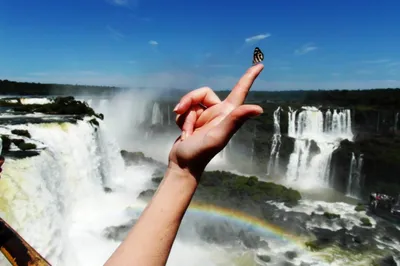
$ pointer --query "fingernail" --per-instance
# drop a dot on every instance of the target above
(177, 107)
(183, 135)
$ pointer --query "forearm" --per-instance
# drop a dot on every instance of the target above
(150, 241)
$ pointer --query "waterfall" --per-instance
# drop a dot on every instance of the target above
(316, 135)
(396, 121)
(354, 181)
(273, 164)
(55, 191)
(253, 139)
(156, 115)
(169, 115)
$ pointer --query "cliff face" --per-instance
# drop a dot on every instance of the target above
(377, 138)
(374, 123)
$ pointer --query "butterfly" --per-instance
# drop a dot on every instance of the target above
(258, 56)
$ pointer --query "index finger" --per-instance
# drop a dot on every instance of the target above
(204, 96)
(241, 89)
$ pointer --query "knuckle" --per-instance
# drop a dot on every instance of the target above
(205, 88)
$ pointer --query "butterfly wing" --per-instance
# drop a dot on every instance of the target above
(258, 56)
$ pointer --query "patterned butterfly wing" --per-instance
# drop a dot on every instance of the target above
(258, 56)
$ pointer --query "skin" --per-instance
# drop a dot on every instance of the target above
(205, 132)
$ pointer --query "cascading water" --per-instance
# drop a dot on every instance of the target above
(354, 182)
(51, 187)
(252, 144)
(273, 164)
(316, 137)
(157, 115)
(169, 115)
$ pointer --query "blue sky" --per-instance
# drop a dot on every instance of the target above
(186, 44)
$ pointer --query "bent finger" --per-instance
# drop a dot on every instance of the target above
(220, 135)
(181, 119)
(204, 96)
(241, 89)
(188, 125)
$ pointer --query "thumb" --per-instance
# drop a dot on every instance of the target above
(232, 122)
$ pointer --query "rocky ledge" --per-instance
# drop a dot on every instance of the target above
(57, 106)
(18, 142)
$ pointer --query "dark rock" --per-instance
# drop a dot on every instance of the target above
(314, 149)
(21, 132)
(27, 146)
(157, 180)
(17, 142)
(331, 215)
(20, 154)
(290, 255)
(249, 239)
(386, 261)
(264, 258)
(107, 190)
(147, 194)
(6, 142)
(140, 158)
(119, 233)
(94, 122)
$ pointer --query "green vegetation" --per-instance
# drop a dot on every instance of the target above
(227, 185)
(360, 207)
(363, 99)
(331, 215)
(60, 106)
(313, 245)
(220, 186)
(365, 221)
(27, 88)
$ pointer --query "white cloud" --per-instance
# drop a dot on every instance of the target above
(257, 38)
(154, 43)
(115, 34)
(305, 49)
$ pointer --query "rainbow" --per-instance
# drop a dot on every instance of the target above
(242, 219)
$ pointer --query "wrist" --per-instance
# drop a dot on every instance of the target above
(184, 172)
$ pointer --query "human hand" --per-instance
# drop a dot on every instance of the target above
(205, 132)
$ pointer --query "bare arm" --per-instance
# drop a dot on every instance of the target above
(205, 132)
(151, 239)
